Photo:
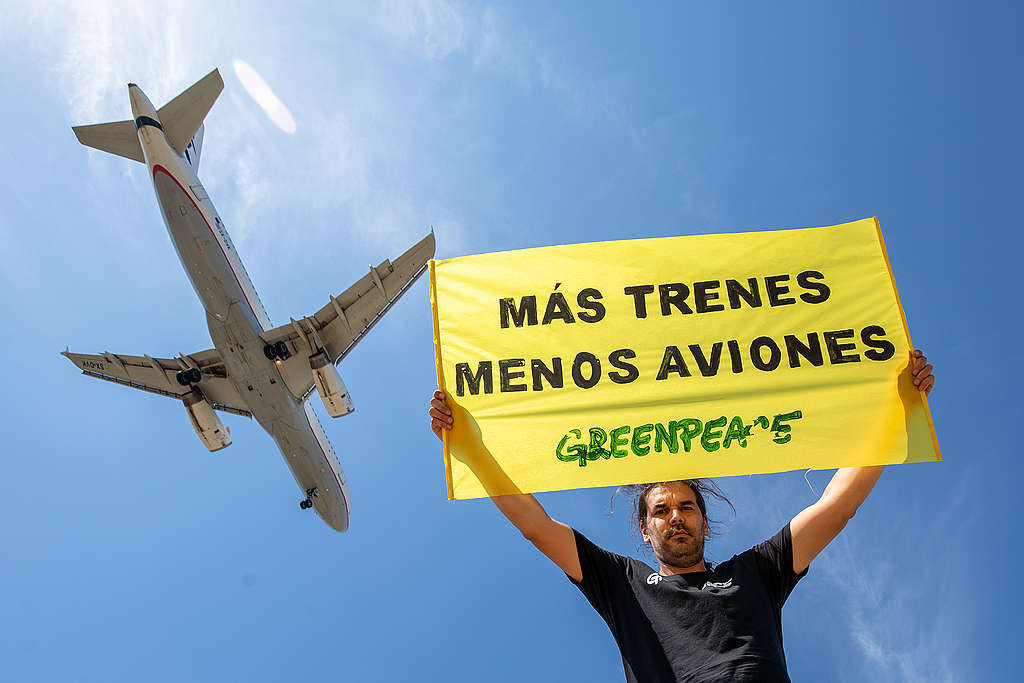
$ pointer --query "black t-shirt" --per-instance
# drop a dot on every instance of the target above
(719, 625)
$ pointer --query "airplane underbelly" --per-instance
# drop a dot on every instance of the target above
(287, 418)
(310, 462)
(294, 427)
(200, 253)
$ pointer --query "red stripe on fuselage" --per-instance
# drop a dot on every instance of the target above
(158, 167)
(341, 489)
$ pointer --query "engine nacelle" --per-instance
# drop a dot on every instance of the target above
(210, 430)
(329, 385)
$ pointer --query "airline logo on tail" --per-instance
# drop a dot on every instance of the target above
(193, 149)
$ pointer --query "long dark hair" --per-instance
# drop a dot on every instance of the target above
(702, 489)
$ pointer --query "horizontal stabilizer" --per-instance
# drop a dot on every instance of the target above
(182, 116)
(118, 137)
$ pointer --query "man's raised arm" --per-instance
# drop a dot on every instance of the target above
(551, 537)
(816, 526)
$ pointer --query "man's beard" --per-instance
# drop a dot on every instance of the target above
(682, 551)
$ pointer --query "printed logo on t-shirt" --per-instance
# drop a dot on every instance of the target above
(655, 578)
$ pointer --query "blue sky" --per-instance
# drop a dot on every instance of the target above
(130, 553)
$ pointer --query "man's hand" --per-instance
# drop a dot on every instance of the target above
(550, 536)
(441, 414)
(922, 372)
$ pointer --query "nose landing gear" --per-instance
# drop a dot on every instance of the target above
(308, 502)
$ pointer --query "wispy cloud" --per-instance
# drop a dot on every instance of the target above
(905, 631)
(908, 616)
(93, 49)
(363, 129)
(433, 27)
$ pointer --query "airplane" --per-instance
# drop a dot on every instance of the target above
(254, 369)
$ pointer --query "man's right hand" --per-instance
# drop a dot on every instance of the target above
(550, 536)
(440, 414)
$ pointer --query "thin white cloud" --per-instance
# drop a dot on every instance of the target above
(258, 89)
(365, 125)
(892, 615)
(433, 27)
(93, 49)
(499, 51)
(871, 580)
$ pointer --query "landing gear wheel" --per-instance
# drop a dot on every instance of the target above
(278, 350)
(311, 493)
(187, 377)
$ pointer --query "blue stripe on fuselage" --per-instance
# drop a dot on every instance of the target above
(146, 121)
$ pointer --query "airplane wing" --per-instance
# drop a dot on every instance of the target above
(158, 375)
(345, 320)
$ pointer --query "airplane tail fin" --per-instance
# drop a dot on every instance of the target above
(183, 116)
(117, 138)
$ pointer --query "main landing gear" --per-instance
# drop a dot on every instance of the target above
(275, 351)
(310, 494)
(187, 377)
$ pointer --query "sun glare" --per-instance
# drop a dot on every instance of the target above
(259, 90)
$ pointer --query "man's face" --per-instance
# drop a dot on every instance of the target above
(675, 526)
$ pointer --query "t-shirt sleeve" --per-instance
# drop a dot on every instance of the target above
(605, 575)
(773, 561)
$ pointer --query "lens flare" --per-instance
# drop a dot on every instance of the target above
(259, 90)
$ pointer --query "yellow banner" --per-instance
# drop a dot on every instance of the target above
(648, 360)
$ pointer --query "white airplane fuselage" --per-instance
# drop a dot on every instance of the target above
(236, 318)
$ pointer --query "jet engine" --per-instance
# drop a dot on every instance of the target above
(210, 430)
(329, 385)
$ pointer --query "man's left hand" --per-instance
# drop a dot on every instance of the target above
(922, 372)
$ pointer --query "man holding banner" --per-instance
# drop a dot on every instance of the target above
(692, 620)
(698, 356)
